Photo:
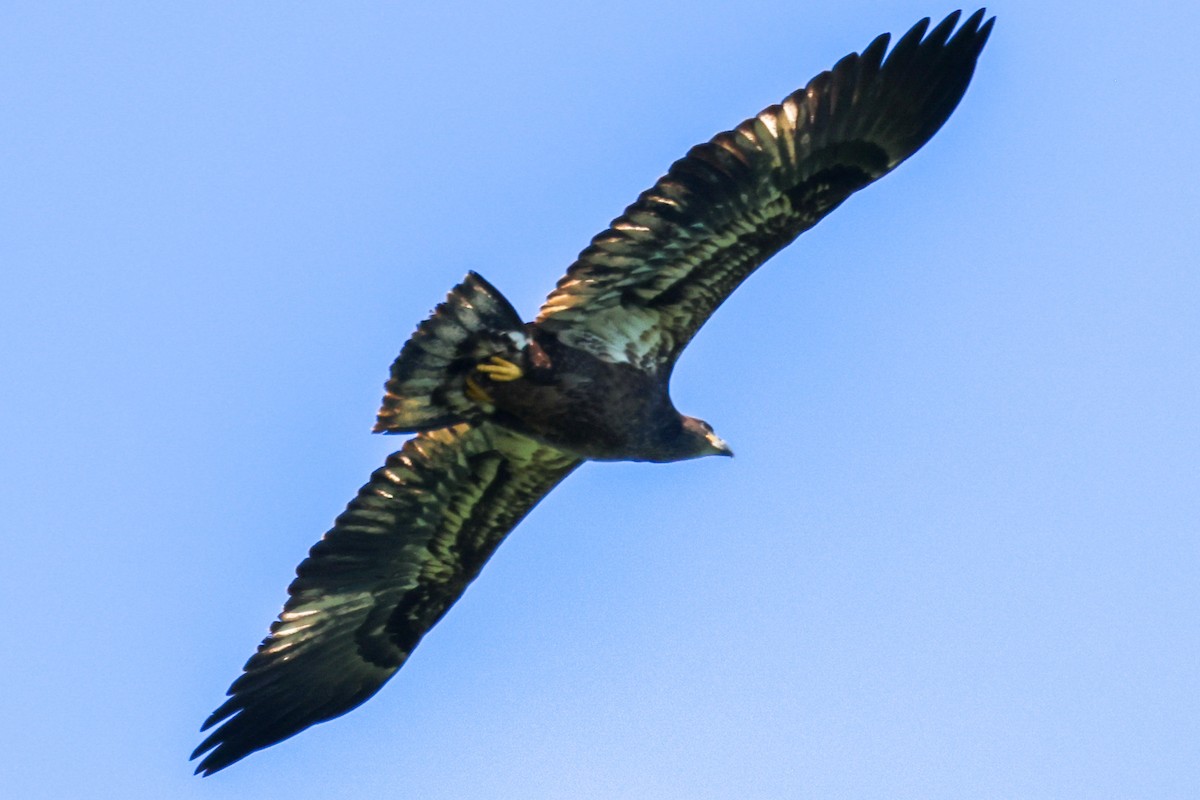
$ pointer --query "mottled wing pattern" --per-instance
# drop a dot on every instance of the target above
(642, 288)
(395, 561)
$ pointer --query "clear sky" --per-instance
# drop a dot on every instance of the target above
(957, 554)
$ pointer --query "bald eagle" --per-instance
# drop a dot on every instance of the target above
(503, 410)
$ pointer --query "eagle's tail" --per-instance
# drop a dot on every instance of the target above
(428, 388)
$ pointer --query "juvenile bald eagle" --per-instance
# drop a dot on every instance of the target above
(504, 410)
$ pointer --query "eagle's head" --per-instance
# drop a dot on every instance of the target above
(698, 439)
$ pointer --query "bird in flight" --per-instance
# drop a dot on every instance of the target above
(503, 410)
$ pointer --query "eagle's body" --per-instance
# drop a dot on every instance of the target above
(590, 407)
(504, 410)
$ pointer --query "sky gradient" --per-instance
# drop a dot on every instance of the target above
(956, 555)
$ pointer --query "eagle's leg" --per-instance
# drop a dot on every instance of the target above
(500, 369)
(497, 369)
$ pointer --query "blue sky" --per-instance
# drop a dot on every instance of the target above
(956, 555)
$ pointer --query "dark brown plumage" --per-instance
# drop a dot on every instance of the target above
(504, 410)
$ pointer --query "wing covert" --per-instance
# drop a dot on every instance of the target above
(642, 288)
(394, 562)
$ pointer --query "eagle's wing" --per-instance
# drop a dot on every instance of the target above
(392, 565)
(642, 288)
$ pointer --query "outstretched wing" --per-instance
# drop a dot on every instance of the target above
(392, 565)
(642, 288)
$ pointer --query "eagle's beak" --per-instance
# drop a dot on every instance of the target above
(718, 445)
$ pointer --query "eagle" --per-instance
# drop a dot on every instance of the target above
(503, 410)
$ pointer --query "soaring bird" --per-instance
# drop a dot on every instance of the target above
(504, 410)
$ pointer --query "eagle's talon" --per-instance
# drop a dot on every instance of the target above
(500, 369)
(476, 393)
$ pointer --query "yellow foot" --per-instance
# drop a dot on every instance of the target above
(498, 369)
(477, 394)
